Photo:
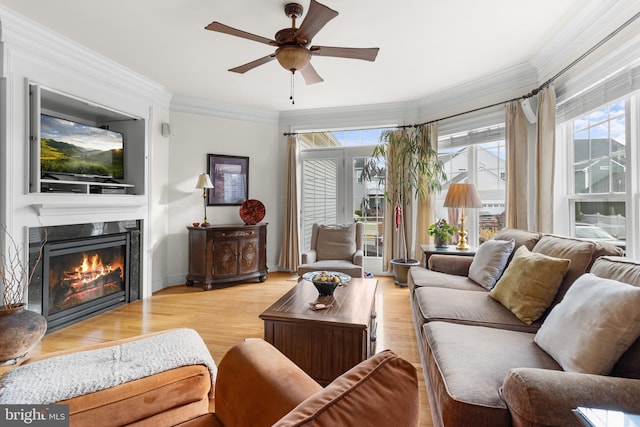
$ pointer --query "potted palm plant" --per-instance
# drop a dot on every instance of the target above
(412, 170)
(20, 329)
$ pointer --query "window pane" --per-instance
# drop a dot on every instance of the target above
(602, 221)
(368, 205)
(344, 138)
(486, 162)
(581, 146)
(580, 179)
(599, 115)
(599, 177)
(599, 152)
(581, 123)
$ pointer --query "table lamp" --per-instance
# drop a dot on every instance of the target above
(204, 182)
(462, 196)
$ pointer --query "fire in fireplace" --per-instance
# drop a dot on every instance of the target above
(80, 277)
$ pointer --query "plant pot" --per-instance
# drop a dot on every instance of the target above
(400, 267)
(441, 242)
(20, 331)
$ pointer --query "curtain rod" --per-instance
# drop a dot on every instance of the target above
(535, 91)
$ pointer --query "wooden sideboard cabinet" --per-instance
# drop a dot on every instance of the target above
(223, 254)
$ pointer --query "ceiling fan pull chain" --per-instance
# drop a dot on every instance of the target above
(292, 88)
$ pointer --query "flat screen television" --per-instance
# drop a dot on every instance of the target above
(72, 148)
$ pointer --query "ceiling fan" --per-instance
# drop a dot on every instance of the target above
(293, 51)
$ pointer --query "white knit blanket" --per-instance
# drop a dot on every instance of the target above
(71, 375)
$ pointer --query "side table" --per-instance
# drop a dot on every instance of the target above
(428, 250)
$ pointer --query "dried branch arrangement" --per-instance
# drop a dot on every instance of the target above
(14, 273)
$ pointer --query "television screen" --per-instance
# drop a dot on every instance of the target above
(68, 147)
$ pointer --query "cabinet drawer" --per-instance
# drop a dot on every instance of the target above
(228, 234)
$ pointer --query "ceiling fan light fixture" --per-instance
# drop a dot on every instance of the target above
(293, 58)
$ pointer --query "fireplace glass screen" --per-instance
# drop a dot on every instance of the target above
(84, 274)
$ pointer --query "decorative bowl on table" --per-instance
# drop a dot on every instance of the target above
(326, 281)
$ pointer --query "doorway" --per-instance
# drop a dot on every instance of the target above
(333, 191)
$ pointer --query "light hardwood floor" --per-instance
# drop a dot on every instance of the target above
(225, 316)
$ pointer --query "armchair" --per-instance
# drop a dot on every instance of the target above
(335, 248)
(255, 385)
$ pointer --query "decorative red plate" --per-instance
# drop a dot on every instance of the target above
(252, 211)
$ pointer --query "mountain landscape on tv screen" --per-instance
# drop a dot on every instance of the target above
(62, 157)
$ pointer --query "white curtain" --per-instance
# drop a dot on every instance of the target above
(516, 166)
(289, 249)
(545, 160)
(454, 219)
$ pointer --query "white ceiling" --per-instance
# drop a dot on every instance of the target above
(426, 46)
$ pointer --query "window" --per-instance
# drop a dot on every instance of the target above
(599, 157)
(476, 156)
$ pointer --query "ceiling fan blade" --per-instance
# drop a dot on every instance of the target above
(316, 18)
(253, 64)
(310, 75)
(366, 54)
(221, 28)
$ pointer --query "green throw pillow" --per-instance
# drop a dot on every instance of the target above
(529, 284)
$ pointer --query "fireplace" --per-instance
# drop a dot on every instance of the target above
(83, 270)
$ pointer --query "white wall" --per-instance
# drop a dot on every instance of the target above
(194, 135)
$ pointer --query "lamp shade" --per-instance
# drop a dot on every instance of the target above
(204, 181)
(462, 196)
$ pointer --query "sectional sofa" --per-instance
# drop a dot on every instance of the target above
(490, 360)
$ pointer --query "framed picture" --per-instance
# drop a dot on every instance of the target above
(230, 178)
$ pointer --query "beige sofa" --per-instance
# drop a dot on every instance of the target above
(255, 385)
(483, 366)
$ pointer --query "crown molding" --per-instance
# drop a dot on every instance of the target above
(380, 115)
(25, 38)
(208, 107)
(495, 88)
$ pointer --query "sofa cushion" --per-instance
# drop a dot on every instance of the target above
(336, 241)
(466, 366)
(419, 276)
(580, 252)
(529, 284)
(467, 308)
(361, 396)
(595, 323)
(627, 271)
(520, 237)
(617, 268)
(489, 262)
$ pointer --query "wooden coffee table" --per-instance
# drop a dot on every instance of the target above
(324, 343)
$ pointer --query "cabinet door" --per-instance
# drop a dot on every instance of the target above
(225, 258)
(197, 253)
(249, 255)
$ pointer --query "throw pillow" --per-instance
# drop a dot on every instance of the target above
(529, 283)
(336, 241)
(489, 262)
(595, 323)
